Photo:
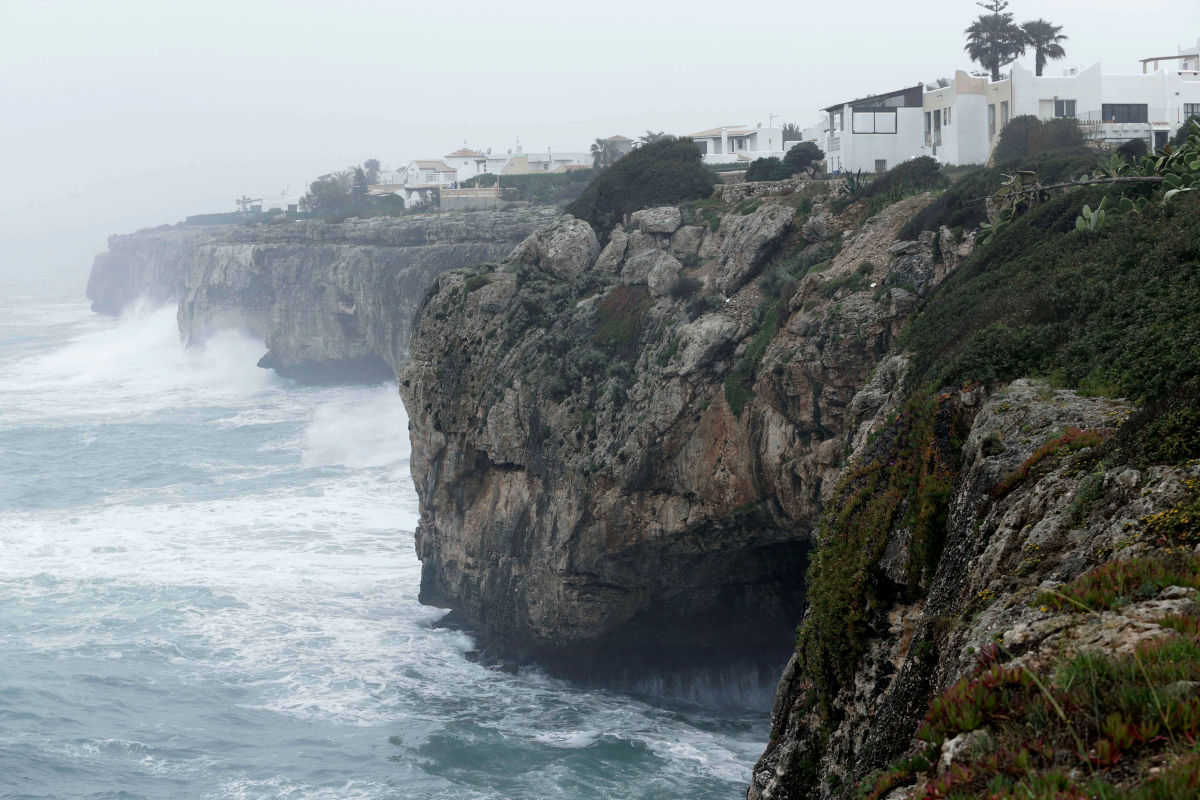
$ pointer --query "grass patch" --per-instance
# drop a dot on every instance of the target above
(619, 316)
(1038, 463)
(1119, 583)
(1068, 734)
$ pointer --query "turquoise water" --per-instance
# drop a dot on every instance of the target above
(208, 590)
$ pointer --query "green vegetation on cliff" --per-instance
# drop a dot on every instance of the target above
(666, 172)
(1113, 311)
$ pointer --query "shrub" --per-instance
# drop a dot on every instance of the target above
(1184, 131)
(767, 169)
(906, 178)
(1027, 135)
(802, 156)
(683, 287)
(667, 172)
(962, 204)
(1132, 150)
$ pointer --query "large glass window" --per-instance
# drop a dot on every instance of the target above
(1191, 110)
(874, 121)
(1064, 108)
(1124, 112)
(991, 120)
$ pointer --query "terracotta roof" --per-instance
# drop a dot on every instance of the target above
(440, 166)
(712, 133)
(464, 152)
(619, 139)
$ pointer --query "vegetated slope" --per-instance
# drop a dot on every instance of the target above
(1025, 554)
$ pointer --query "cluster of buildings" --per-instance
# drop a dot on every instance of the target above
(956, 121)
(959, 121)
(417, 181)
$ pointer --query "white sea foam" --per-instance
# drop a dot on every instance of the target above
(275, 599)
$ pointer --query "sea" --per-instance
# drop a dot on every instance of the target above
(208, 589)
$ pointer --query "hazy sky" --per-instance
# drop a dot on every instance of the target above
(117, 115)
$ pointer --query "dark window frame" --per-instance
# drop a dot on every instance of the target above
(1125, 112)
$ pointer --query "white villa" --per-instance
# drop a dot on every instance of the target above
(874, 133)
(959, 121)
(730, 144)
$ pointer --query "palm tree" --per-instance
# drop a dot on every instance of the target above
(994, 40)
(598, 148)
(652, 136)
(604, 153)
(1045, 39)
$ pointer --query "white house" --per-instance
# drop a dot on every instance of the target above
(423, 177)
(1112, 108)
(467, 163)
(874, 133)
(730, 144)
(963, 119)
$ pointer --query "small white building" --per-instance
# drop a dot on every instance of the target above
(875, 133)
(423, 177)
(730, 144)
(467, 163)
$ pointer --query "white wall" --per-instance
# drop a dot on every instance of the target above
(860, 151)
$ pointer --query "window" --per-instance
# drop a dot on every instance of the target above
(881, 165)
(937, 130)
(929, 128)
(1064, 108)
(945, 116)
(1003, 113)
(874, 120)
(991, 120)
(1124, 112)
(1191, 110)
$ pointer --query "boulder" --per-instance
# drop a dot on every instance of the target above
(613, 253)
(665, 219)
(687, 240)
(567, 247)
(748, 242)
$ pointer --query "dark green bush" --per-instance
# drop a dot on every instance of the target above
(667, 172)
(802, 156)
(1027, 135)
(767, 169)
(1184, 130)
(962, 204)
(906, 178)
(1133, 150)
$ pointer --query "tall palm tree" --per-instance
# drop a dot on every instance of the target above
(652, 136)
(994, 40)
(604, 153)
(1045, 39)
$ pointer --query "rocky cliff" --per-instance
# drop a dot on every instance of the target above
(669, 447)
(621, 452)
(331, 300)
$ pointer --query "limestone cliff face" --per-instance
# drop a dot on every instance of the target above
(1069, 516)
(621, 452)
(331, 300)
